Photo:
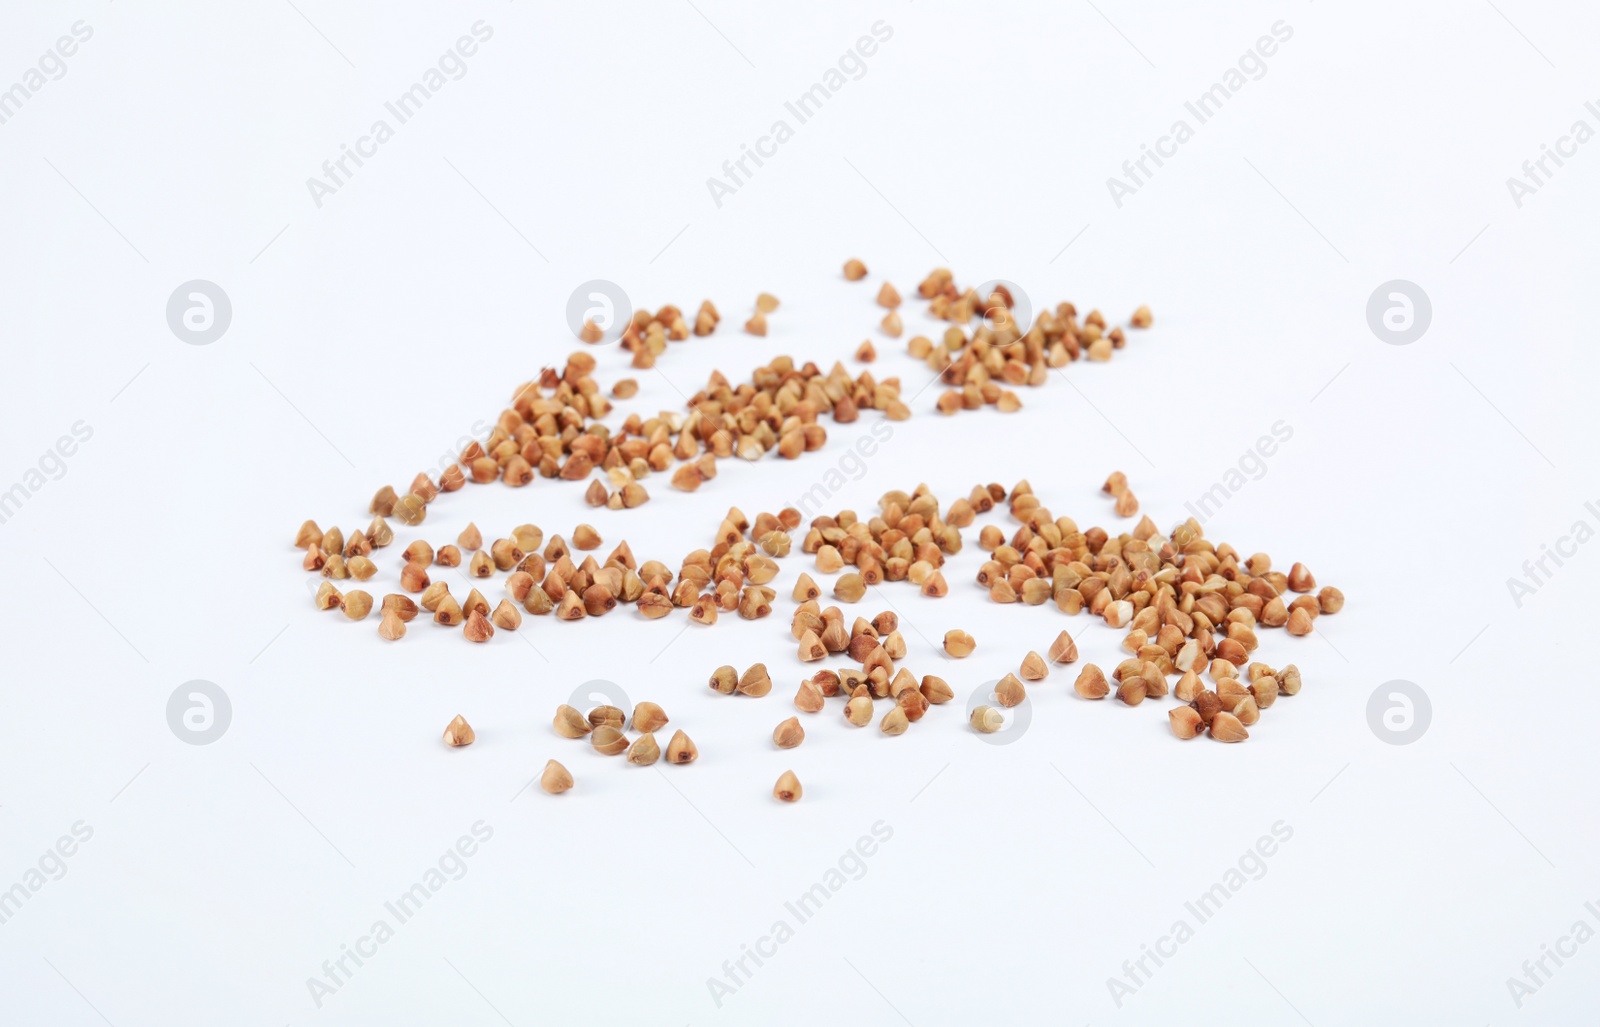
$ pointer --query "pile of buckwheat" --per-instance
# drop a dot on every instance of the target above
(1191, 607)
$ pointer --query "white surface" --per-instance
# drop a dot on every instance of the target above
(409, 306)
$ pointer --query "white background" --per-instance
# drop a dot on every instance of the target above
(369, 334)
